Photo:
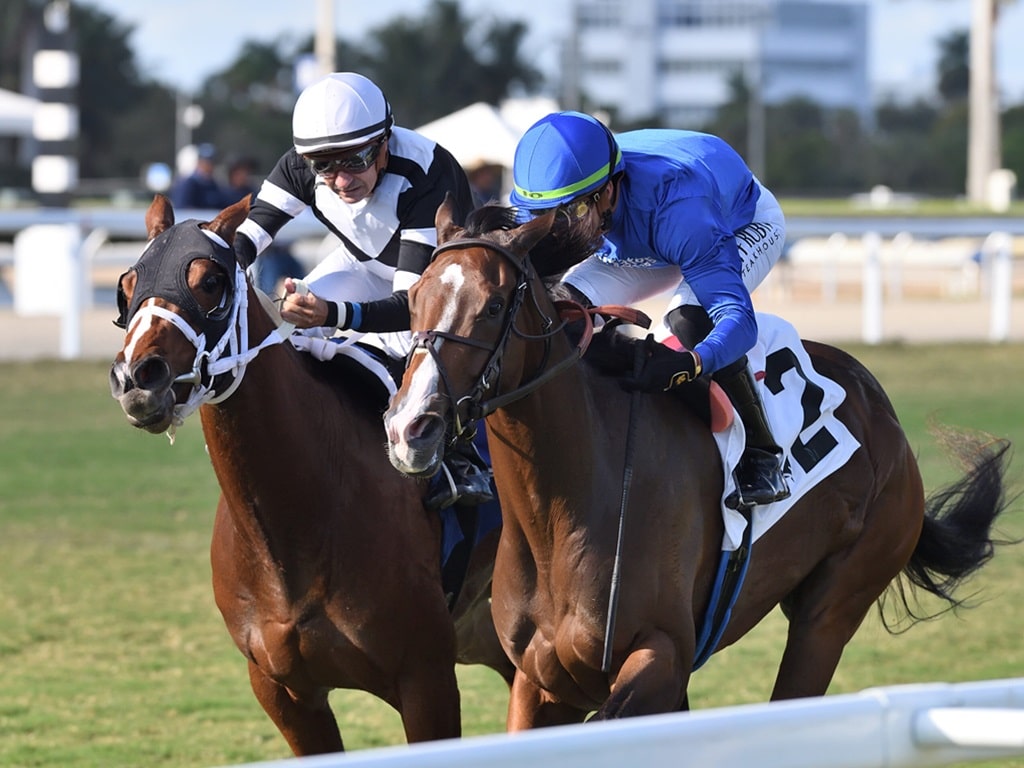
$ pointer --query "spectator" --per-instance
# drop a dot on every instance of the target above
(277, 262)
(485, 180)
(200, 189)
(240, 171)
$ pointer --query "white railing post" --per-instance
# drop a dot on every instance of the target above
(830, 266)
(71, 312)
(871, 307)
(1000, 285)
(899, 249)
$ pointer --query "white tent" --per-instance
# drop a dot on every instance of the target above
(16, 113)
(481, 134)
(476, 135)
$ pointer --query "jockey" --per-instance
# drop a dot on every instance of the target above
(377, 188)
(678, 210)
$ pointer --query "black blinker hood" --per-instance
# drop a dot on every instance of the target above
(163, 273)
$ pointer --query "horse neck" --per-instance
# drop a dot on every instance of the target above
(534, 437)
(263, 440)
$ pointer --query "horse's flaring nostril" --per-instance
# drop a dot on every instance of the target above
(152, 373)
(120, 382)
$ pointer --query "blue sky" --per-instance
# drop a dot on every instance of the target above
(171, 42)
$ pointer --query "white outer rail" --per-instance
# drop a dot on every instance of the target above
(930, 724)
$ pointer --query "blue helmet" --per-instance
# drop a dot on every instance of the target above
(562, 156)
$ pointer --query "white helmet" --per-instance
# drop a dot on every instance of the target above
(341, 110)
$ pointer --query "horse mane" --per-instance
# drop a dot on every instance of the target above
(564, 246)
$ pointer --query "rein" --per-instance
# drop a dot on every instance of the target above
(227, 359)
(476, 407)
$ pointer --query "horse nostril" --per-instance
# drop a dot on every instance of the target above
(425, 427)
(120, 382)
(152, 373)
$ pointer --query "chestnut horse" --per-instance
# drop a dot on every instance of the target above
(326, 566)
(486, 333)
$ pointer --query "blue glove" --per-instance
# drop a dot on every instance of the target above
(663, 369)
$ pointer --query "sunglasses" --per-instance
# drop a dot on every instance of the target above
(575, 209)
(578, 208)
(351, 162)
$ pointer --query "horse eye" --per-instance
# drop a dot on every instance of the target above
(495, 308)
(213, 283)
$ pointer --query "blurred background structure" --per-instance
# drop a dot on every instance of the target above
(795, 85)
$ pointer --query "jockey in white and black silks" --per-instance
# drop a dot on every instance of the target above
(377, 187)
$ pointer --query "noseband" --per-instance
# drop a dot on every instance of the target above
(473, 403)
(222, 339)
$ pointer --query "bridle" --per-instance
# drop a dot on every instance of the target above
(220, 361)
(473, 404)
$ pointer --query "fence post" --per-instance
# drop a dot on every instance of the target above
(1000, 285)
(50, 279)
(830, 266)
(871, 307)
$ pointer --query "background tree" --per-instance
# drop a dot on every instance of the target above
(428, 67)
(435, 65)
(247, 106)
(954, 72)
(17, 20)
(125, 121)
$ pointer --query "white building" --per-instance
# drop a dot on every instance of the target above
(674, 59)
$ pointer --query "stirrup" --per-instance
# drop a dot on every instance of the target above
(441, 492)
(759, 479)
(459, 481)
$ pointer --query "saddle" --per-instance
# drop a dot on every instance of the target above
(613, 353)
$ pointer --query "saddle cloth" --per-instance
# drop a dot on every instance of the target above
(800, 405)
(328, 349)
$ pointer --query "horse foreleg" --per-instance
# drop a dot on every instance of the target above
(309, 727)
(532, 707)
(651, 680)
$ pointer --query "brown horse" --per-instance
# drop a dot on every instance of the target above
(487, 332)
(326, 567)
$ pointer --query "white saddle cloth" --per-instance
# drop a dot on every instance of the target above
(814, 442)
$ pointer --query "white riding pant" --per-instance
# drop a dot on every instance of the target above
(342, 277)
(760, 245)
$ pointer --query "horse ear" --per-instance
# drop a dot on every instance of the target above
(532, 232)
(159, 217)
(444, 221)
(227, 221)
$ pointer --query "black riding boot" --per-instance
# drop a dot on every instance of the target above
(464, 478)
(759, 478)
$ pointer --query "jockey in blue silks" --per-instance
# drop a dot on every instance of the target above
(677, 209)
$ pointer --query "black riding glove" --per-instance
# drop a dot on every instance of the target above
(664, 369)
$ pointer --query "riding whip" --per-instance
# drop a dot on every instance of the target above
(627, 481)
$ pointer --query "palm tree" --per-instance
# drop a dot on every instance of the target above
(983, 143)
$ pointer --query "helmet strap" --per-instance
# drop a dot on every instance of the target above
(385, 152)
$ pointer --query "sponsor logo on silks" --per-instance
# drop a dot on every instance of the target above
(609, 254)
(681, 377)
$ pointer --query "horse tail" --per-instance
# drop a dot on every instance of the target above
(956, 535)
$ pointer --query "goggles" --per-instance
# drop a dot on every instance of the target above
(575, 209)
(350, 162)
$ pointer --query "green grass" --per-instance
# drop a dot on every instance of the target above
(112, 652)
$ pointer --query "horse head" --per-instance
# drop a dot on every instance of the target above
(465, 311)
(177, 304)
